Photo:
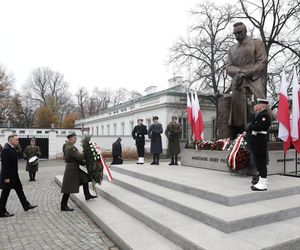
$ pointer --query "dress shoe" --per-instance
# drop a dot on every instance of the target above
(176, 164)
(255, 179)
(66, 208)
(153, 163)
(88, 197)
(6, 214)
(171, 163)
(30, 207)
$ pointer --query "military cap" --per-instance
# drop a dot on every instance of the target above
(174, 117)
(262, 101)
(32, 139)
(155, 118)
(140, 119)
(71, 135)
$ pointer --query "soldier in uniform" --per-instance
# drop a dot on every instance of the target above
(173, 133)
(74, 177)
(138, 134)
(154, 133)
(247, 61)
(258, 141)
(30, 151)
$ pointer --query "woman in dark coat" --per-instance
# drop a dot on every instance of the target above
(154, 133)
(117, 152)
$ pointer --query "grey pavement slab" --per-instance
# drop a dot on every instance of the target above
(216, 186)
(125, 230)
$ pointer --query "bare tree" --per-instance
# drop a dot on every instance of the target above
(202, 56)
(6, 89)
(82, 97)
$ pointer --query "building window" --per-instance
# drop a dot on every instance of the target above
(122, 128)
(108, 130)
(115, 129)
(97, 130)
(39, 132)
(184, 127)
(63, 132)
(22, 132)
(102, 130)
(131, 126)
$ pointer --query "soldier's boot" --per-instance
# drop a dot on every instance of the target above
(176, 160)
(30, 177)
(33, 177)
(86, 192)
(66, 208)
(142, 160)
(255, 179)
(154, 160)
(172, 161)
(157, 160)
(261, 185)
(64, 202)
(138, 162)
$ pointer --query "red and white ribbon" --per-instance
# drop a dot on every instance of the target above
(226, 142)
(233, 153)
(108, 173)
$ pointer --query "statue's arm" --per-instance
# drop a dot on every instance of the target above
(231, 69)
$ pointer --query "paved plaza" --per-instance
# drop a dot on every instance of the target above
(46, 227)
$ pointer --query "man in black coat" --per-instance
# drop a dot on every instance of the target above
(117, 152)
(138, 134)
(258, 141)
(9, 177)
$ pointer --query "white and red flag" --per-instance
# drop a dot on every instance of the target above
(283, 115)
(198, 120)
(193, 115)
(295, 130)
(189, 112)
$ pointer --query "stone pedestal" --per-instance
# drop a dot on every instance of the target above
(223, 130)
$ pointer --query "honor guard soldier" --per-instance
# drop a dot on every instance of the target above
(154, 133)
(138, 134)
(173, 133)
(74, 177)
(31, 154)
(258, 141)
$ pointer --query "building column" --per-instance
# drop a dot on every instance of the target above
(52, 144)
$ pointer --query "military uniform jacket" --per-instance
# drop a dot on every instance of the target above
(73, 176)
(173, 133)
(9, 169)
(29, 152)
(257, 132)
(154, 134)
(138, 133)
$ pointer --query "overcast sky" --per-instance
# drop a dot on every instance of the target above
(115, 43)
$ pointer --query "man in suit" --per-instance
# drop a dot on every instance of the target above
(258, 141)
(138, 134)
(117, 152)
(74, 177)
(9, 178)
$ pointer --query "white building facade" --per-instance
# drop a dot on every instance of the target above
(119, 121)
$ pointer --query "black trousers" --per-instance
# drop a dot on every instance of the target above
(117, 160)
(261, 164)
(4, 197)
(66, 196)
(156, 158)
(140, 150)
(174, 158)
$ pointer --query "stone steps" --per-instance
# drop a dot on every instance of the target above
(224, 218)
(192, 208)
(126, 231)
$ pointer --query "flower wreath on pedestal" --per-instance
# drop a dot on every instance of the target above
(95, 163)
(238, 157)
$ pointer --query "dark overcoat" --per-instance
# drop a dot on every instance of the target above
(73, 176)
(117, 149)
(9, 169)
(138, 134)
(258, 142)
(29, 152)
(173, 133)
(154, 134)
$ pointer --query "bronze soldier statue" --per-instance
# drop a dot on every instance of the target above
(73, 176)
(247, 61)
(173, 133)
(29, 152)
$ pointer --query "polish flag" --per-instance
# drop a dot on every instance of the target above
(193, 115)
(189, 112)
(198, 121)
(295, 130)
(283, 115)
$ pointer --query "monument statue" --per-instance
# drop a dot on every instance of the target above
(247, 61)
